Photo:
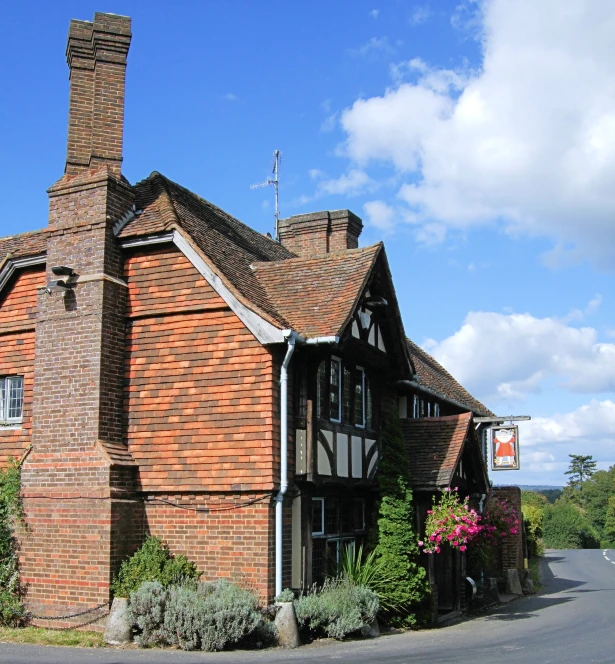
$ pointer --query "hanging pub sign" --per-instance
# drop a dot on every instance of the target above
(505, 448)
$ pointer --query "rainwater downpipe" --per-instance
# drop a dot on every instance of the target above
(292, 339)
(279, 499)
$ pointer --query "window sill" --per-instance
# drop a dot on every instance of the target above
(11, 426)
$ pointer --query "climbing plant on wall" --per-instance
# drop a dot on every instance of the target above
(395, 537)
(11, 512)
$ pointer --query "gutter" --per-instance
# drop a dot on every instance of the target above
(292, 338)
(422, 388)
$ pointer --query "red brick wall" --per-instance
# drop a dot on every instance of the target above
(512, 545)
(17, 330)
(232, 540)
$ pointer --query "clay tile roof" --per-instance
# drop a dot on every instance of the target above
(229, 244)
(20, 246)
(317, 294)
(434, 376)
(434, 446)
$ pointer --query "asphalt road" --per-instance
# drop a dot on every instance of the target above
(571, 621)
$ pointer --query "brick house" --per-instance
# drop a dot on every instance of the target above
(165, 369)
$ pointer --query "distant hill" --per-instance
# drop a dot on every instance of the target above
(539, 487)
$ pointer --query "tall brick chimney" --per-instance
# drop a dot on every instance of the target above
(96, 55)
(320, 232)
(78, 481)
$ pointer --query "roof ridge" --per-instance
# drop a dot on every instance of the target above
(343, 253)
(214, 208)
(21, 235)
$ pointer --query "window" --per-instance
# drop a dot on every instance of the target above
(436, 410)
(347, 395)
(368, 406)
(335, 390)
(337, 525)
(344, 394)
(318, 516)
(11, 399)
(321, 388)
(359, 397)
(415, 406)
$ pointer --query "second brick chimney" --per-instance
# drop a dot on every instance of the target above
(320, 232)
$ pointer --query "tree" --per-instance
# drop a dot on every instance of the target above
(609, 524)
(565, 526)
(581, 468)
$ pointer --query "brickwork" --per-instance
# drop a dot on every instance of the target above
(232, 539)
(67, 480)
(79, 498)
(17, 338)
(512, 546)
(320, 232)
(96, 55)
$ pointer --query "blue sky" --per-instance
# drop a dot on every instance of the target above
(477, 139)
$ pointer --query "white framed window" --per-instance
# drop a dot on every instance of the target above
(415, 407)
(11, 399)
(436, 410)
(429, 409)
(335, 390)
(318, 516)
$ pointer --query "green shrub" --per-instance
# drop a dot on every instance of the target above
(206, 617)
(609, 524)
(153, 562)
(395, 540)
(336, 609)
(287, 595)
(370, 571)
(12, 612)
(566, 527)
(147, 609)
(533, 518)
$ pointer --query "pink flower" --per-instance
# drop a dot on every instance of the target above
(437, 549)
(463, 548)
(456, 488)
(421, 543)
(439, 539)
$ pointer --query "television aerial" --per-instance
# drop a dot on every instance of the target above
(277, 158)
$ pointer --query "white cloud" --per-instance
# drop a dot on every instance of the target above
(419, 15)
(315, 173)
(328, 124)
(380, 215)
(229, 96)
(374, 13)
(527, 141)
(546, 442)
(353, 182)
(507, 356)
(592, 306)
(373, 46)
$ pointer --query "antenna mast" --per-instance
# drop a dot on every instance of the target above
(277, 157)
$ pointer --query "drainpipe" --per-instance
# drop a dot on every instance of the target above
(279, 499)
(291, 339)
